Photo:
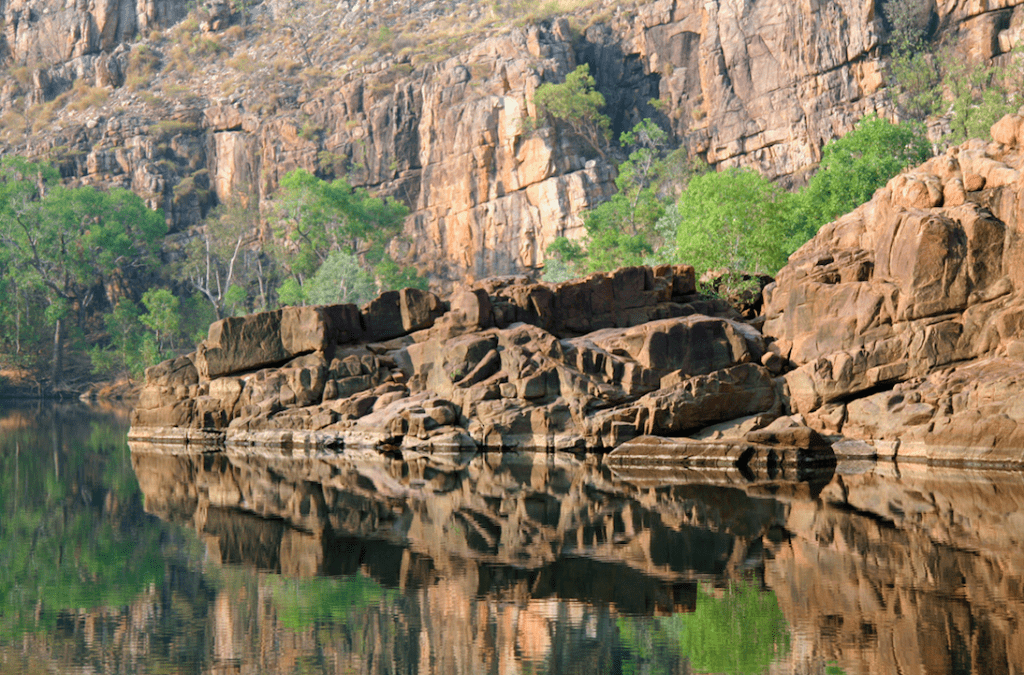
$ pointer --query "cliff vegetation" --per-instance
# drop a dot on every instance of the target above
(434, 143)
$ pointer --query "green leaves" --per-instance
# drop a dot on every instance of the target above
(734, 220)
(854, 166)
(341, 235)
(321, 217)
(620, 231)
(63, 246)
(576, 104)
(727, 220)
(340, 280)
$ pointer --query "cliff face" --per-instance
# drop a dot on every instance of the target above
(756, 84)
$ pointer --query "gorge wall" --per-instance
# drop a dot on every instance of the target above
(754, 84)
(896, 332)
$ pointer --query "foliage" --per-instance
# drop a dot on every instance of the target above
(305, 602)
(729, 220)
(217, 259)
(65, 244)
(853, 167)
(73, 534)
(981, 95)
(128, 349)
(341, 235)
(321, 216)
(620, 231)
(290, 293)
(908, 20)
(162, 315)
(392, 276)
(576, 104)
(341, 279)
(742, 632)
(916, 81)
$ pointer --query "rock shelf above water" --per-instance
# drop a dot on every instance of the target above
(508, 363)
(897, 332)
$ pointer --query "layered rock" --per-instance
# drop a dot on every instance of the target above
(903, 318)
(508, 364)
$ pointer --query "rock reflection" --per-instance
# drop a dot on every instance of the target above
(543, 563)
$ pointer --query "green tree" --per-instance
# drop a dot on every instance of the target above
(729, 220)
(326, 220)
(290, 293)
(908, 22)
(853, 167)
(161, 316)
(621, 231)
(981, 94)
(341, 279)
(321, 216)
(574, 104)
(124, 354)
(68, 242)
(221, 251)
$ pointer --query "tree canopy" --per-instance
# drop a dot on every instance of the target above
(66, 243)
(575, 104)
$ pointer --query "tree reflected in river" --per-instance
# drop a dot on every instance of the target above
(162, 560)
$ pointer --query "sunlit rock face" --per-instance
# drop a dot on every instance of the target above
(896, 332)
(873, 570)
(760, 84)
(506, 363)
(903, 318)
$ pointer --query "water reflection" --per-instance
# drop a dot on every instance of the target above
(495, 564)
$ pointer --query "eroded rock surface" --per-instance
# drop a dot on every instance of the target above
(904, 320)
(898, 331)
(505, 364)
(760, 84)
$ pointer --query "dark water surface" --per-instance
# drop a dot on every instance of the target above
(151, 560)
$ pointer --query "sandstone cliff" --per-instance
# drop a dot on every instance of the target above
(904, 318)
(896, 332)
(505, 364)
(423, 101)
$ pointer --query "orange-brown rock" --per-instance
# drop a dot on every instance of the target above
(512, 363)
(897, 315)
(760, 84)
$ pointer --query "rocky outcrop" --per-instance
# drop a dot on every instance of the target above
(903, 318)
(508, 364)
(754, 84)
(896, 332)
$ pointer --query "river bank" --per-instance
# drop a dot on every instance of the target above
(897, 332)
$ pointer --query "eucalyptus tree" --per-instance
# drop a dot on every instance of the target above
(68, 243)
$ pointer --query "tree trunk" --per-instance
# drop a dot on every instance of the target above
(58, 353)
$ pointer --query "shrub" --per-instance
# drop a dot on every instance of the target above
(727, 220)
(575, 104)
(171, 128)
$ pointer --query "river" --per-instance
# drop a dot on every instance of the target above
(152, 559)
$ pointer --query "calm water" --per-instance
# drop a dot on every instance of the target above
(118, 560)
